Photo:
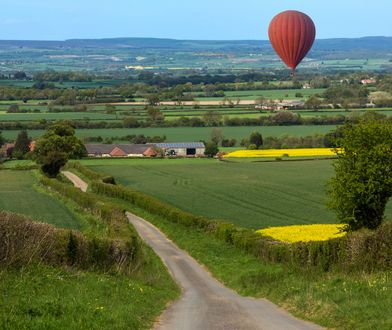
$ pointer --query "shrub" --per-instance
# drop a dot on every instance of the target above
(362, 185)
(25, 242)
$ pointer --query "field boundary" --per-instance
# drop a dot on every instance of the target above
(347, 253)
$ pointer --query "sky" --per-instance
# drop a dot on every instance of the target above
(185, 19)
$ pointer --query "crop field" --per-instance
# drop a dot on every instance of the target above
(188, 134)
(275, 94)
(270, 153)
(54, 116)
(171, 112)
(255, 195)
(18, 195)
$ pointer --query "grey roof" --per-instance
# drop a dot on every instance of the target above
(185, 145)
(99, 148)
(134, 148)
(105, 149)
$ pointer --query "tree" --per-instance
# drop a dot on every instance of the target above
(217, 135)
(155, 115)
(130, 122)
(313, 102)
(257, 139)
(211, 149)
(56, 147)
(362, 184)
(22, 145)
(229, 143)
(260, 100)
(20, 75)
(13, 108)
(212, 118)
(2, 140)
(153, 100)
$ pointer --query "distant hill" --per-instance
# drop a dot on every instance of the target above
(119, 54)
(342, 44)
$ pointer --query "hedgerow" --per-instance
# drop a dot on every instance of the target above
(364, 250)
(90, 174)
(25, 242)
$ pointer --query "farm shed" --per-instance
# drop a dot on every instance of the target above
(120, 150)
(6, 150)
(187, 149)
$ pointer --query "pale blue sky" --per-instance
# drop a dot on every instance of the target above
(185, 19)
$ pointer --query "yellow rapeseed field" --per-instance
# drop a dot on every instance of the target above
(272, 153)
(305, 233)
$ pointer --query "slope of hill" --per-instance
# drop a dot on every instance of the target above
(170, 54)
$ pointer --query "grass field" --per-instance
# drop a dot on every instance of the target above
(255, 195)
(18, 195)
(275, 94)
(187, 134)
(54, 116)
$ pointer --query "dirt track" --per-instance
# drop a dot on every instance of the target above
(205, 303)
(77, 182)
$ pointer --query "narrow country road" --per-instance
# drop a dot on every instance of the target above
(205, 303)
(77, 182)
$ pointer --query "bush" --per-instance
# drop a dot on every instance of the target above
(25, 242)
(362, 186)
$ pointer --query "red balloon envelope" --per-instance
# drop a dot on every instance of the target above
(292, 34)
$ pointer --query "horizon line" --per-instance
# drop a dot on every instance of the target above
(180, 39)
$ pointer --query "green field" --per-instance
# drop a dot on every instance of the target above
(275, 94)
(18, 195)
(54, 116)
(187, 134)
(254, 195)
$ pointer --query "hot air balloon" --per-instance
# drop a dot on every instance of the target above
(292, 34)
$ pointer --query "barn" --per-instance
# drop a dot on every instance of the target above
(120, 150)
(186, 149)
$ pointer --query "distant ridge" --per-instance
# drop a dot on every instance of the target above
(337, 44)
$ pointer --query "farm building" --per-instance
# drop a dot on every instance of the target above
(6, 150)
(188, 149)
(285, 105)
(121, 150)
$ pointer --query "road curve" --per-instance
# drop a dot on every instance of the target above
(77, 182)
(205, 303)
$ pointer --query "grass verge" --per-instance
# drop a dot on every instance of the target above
(44, 297)
(334, 299)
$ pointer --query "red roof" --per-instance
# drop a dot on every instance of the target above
(150, 152)
(117, 152)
